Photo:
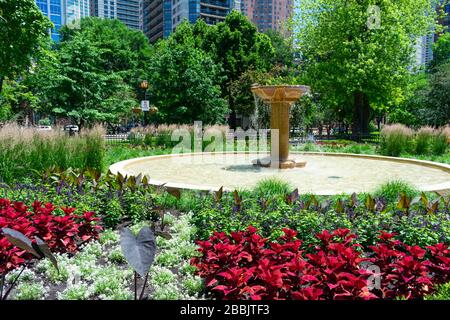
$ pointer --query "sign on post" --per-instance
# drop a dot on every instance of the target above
(145, 105)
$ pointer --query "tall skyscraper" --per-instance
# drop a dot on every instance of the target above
(424, 50)
(153, 19)
(127, 11)
(75, 10)
(53, 9)
(103, 8)
(62, 12)
(268, 14)
(424, 45)
(161, 17)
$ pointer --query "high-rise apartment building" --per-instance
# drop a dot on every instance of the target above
(161, 17)
(424, 50)
(53, 9)
(62, 12)
(153, 19)
(75, 10)
(268, 14)
(424, 45)
(103, 8)
(127, 11)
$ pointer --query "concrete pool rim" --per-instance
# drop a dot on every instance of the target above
(122, 168)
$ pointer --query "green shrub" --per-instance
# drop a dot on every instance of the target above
(395, 139)
(392, 189)
(424, 140)
(45, 122)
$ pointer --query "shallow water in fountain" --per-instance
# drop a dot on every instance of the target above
(322, 174)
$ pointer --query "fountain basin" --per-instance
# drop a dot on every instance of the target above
(325, 174)
(286, 93)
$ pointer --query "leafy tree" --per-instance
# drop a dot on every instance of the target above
(241, 95)
(94, 72)
(122, 50)
(23, 29)
(350, 59)
(408, 111)
(428, 100)
(184, 81)
(283, 48)
(237, 46)
(441, 50)
(437, 109)
(73, 85)
(16, 100)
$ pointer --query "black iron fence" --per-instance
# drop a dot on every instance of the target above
(138, 139)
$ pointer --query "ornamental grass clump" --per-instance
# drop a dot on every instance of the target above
(424, 140)
(273, 188)
(440, 141)
(396, 139)
(24, 150)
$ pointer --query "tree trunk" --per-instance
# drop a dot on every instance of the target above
(361, 115)
(232, 121)
(1, 83)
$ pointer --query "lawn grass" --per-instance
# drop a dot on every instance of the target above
(123, 152)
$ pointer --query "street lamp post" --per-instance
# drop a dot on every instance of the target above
(144, 86)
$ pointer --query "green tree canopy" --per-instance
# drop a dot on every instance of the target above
(356, 55)
(283, 48)
(86, 79)
(237, 46)
(437, 110)
(441, 50)
(122, 50)
(23, 28)
(184, 81)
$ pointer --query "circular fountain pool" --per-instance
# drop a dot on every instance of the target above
(324, 174)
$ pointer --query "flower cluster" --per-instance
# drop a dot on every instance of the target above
(247, 266)
(63, 233)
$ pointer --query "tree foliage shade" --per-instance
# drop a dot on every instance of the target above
(182, 87)
(441, 50)
(23, 29)
(94, 73)
(352, 60)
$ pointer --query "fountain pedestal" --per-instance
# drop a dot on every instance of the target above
(280, 99)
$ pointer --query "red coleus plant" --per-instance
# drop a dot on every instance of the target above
(61, 233)
(247, 266)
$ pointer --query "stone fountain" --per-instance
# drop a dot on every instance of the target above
(280, 98)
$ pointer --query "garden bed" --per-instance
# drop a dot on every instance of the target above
(97, 269)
